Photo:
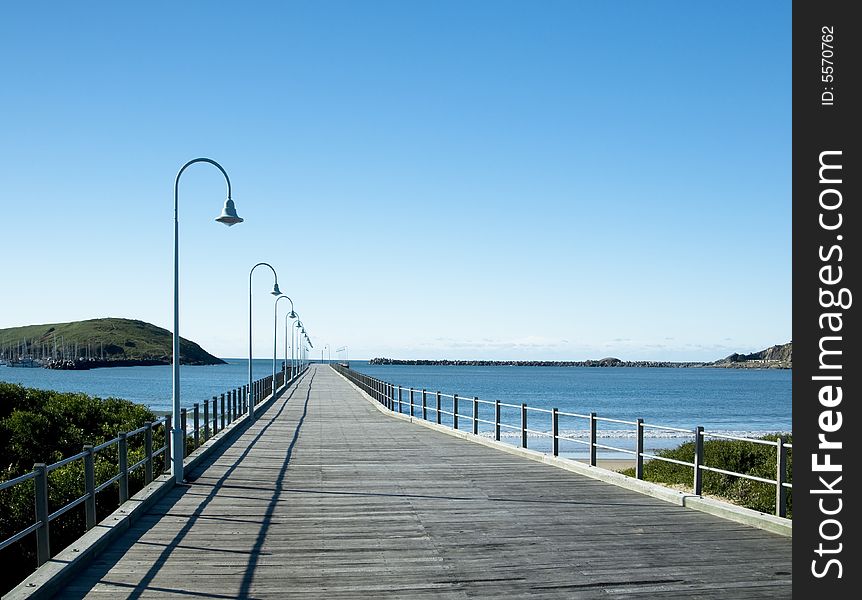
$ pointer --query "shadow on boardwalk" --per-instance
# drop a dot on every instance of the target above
(221, 484)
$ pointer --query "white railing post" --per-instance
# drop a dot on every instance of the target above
(781, 476)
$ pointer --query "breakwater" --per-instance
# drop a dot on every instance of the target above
(603, 362)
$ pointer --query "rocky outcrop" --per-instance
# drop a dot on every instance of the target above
(774, 357)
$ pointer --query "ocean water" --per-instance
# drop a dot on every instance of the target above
(150, 386)
(740, 402)
(737, 402)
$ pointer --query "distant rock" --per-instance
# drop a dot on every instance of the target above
(603, 362)
(774, 357)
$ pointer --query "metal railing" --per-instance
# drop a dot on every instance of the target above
(419, 403)
(216, 415)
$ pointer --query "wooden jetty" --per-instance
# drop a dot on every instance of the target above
(323, 496)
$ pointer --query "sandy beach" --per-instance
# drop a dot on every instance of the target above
(612, 464)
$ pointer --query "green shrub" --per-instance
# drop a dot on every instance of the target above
(44, 426)
(749, 458)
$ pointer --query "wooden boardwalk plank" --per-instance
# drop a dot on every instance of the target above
(325, 497)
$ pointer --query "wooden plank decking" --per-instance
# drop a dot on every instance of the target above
(325, 497)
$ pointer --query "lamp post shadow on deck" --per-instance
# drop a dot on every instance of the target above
(275, 292)
(229, 218)
(290, 315)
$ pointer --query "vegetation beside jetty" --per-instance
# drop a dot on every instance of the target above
(96, 343)
(731, 455)
(45, 426)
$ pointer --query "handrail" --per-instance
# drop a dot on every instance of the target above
(216, 416)
(738, 438)
(666, 428)
(401, 399)
(17, 480)
(65, 461)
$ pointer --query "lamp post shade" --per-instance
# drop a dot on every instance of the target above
(228, 214)
(275, 291)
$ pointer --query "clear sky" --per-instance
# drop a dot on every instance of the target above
(472, 179)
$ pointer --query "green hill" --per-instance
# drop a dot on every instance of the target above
(105, 341)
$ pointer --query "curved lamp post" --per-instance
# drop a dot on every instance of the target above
(228, 217)
(288, 342)
(294, 339)
(275, 292)
(291, 314)
(296, 330)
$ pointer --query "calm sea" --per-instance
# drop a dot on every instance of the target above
(739, 402)
(146, 385)
(743, 402)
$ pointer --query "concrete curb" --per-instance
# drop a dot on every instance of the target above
(717, 508)
(50, 577)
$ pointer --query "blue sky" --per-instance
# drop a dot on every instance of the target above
(500, 179)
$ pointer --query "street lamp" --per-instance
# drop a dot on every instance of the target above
(300, 347)
(295, 342)
(288, 341)
(275, 292)
(228, 217)
(275, 325)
